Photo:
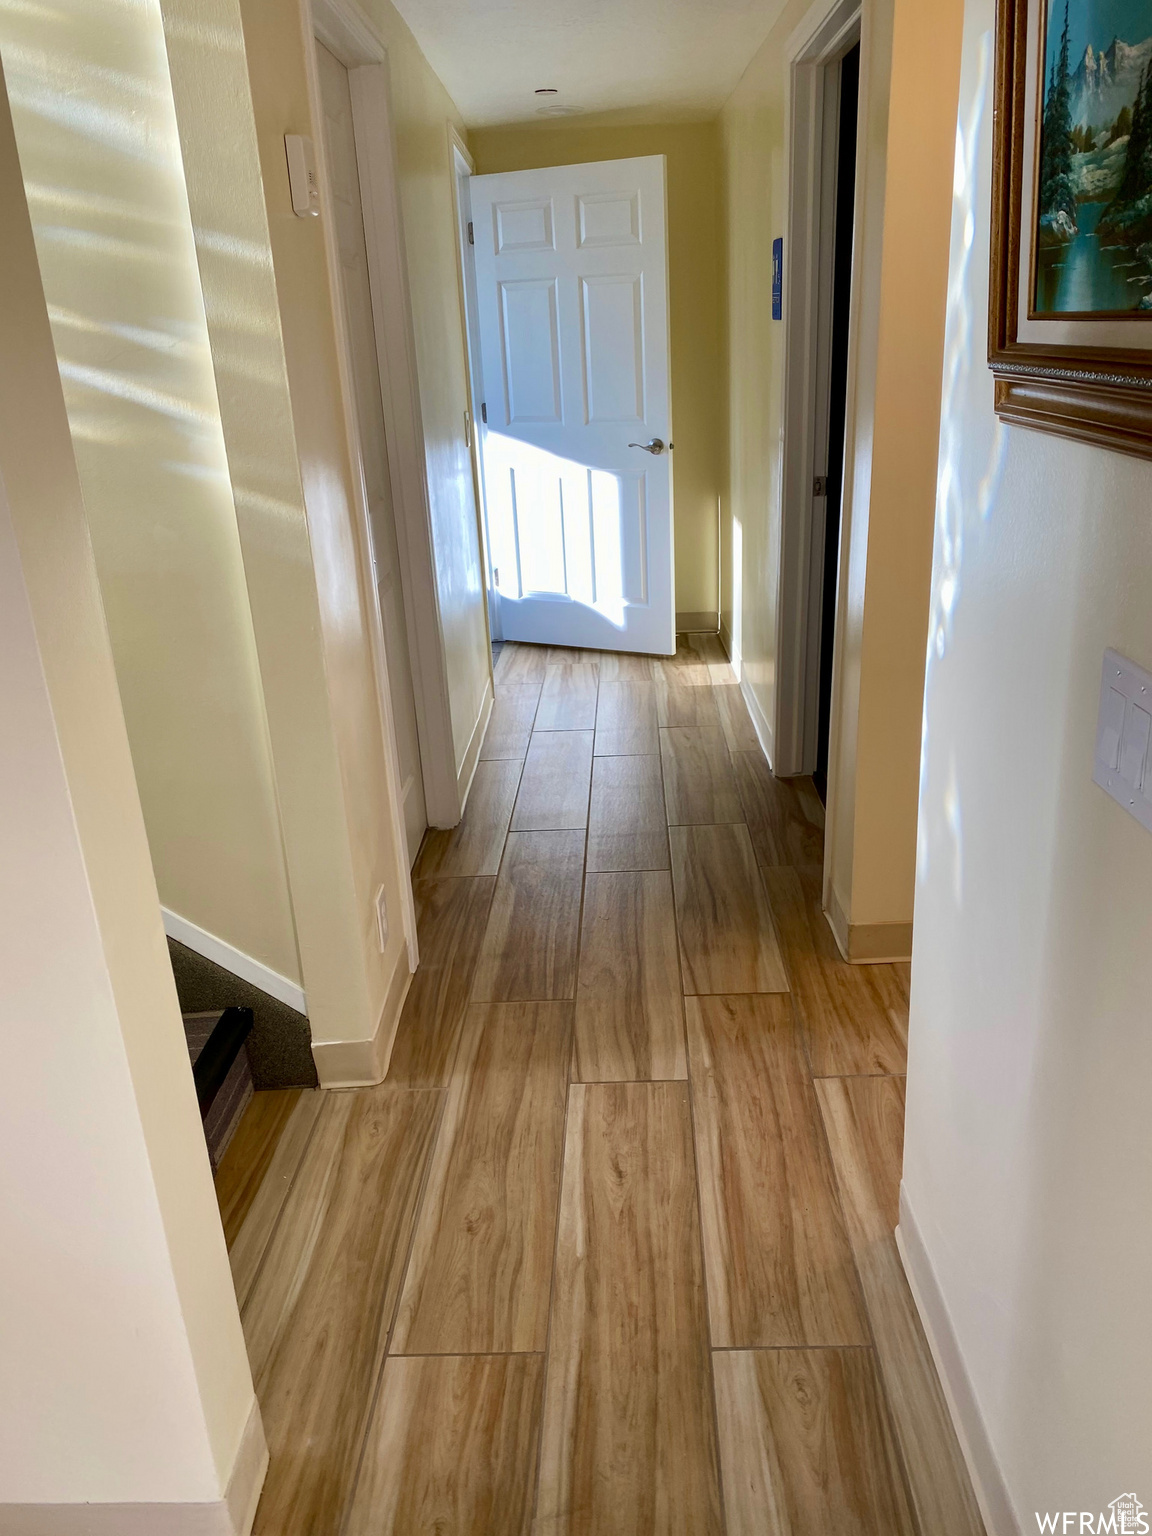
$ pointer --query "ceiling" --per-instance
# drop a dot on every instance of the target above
(658, 57)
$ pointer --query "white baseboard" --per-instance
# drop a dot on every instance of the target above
(983, 1465)
(364, 1063)
(235, 960)
(726, 641)
(705, 623)
(248, 1473)
(475, 743)
(867, 943)
(232, 1515)
(760, 721)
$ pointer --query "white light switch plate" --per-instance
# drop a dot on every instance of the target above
(1123, 751)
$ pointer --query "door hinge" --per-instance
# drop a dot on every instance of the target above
(471, 233)
(483, 413)
(496, 575)
(820, 485)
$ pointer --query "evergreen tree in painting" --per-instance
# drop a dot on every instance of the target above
(1129, 215)
(1057, 185)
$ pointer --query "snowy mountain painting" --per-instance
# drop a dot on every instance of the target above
(1094, 194)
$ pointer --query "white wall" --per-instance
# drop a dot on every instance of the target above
(96, 129)
(125, 1378)
(1028, 1162)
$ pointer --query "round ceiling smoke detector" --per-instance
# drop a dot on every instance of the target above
(558, 111)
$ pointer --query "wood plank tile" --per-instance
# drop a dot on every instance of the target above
(855, 1017)
(626, 828)
(568, 698)
(250, 1153)
(864, 1118)
(529, 950)
(510, 727)
(451, 917)
(451, 1448)
(727, 942)
(250, 1244)
(317, 1319)
(628, 1442)
(780, 819)
(481, 1268)
(780, 1268)
(735, 720)
(573, 655)
(626, 719)
(555, 786)
(629, 1011)
(699, 787)
(684, 697)
(475, 846)
(518, 663)
(805, 1445)
(619, 666)
(709, 649)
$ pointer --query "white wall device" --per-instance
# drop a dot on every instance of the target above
(302, 177)
(1123, 765)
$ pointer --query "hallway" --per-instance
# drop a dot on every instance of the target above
(611, 1249)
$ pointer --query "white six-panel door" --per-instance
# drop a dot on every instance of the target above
(572, 283)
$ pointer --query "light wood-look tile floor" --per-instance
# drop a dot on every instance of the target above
(611, 1249)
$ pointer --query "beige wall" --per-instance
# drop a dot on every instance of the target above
(695, 264)
(125, 1374)
(101, 160)
(1029, 1146)
(909, 65)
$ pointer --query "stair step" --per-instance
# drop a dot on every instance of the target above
(220, 1071)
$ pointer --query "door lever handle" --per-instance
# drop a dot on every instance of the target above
(655, 446)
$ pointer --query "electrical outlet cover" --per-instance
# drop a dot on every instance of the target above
(1123, 766)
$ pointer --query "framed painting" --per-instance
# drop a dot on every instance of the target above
(1070, 318)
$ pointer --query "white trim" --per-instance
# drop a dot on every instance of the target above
(463, 169)
(221, 953)
(475, 743)
(248, 1473)
(343, 28)
(971, 1431)
(823, 36)
(698, 623)
(760, 721)
(363, 520)
(364, 1063)
(233, 1515)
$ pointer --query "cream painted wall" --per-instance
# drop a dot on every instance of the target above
(421, 113)
(1028, 1155)
(125, 1373)
(909, 64)
(101, 159)
(696, 274)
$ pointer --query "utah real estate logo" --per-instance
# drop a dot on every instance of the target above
(1125, 1517)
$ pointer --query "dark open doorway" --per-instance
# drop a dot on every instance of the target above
(849, 93)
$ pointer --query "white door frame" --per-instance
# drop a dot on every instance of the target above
(820, 41)
(347, 33)
(463, 167)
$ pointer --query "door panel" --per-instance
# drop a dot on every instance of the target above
(573, 301)
(344, 180)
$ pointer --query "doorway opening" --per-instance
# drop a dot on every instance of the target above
(848, 108)
(818, 315)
